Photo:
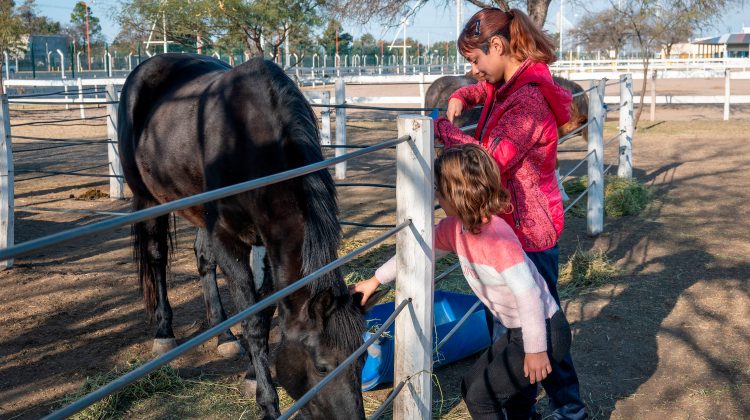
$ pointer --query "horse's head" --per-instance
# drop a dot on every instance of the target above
(314, 343)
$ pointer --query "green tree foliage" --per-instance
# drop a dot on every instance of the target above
(258, 27)
(11, 28)
(328, 39)
(35, 24)
(77, 28)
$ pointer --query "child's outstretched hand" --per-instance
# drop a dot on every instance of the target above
(536, 366)
(455, 108)
(366, 287)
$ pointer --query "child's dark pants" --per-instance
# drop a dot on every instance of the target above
(498, 373)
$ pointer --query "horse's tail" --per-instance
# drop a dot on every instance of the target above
(152, 245)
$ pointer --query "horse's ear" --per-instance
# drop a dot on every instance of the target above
(322, 305)
(372, 301)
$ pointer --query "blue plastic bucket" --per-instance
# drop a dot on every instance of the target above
(472, 337)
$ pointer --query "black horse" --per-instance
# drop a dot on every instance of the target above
(189, 124)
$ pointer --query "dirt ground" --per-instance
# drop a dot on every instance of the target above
(667, 338)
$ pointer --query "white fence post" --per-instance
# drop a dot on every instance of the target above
(727, 94)
(325, 119)
(116, 180)
(340, 127)
(416, 266)
(595, 207)
(6, 181)
(421, 91)
(625, 164)
(653, 95)
(80, 98)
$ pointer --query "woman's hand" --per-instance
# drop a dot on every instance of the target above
(366, 287)
(455, 108)
(536, 366)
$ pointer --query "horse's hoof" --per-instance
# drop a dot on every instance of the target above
(163, 345)
(230, 349)
(249, 388)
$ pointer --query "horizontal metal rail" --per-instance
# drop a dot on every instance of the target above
(74, 211)
(59, 121)
(469, 127)
(447, 271)
(183, 203)
(349, 146)
(56, 173)
(608, 168)
(167, 357)
(583, 193)
(364, 184)
(365, 225)
(63, 140)
(584, 91)
(374, 108)
(581, 162)
(615, 137)
(458, 325)
(574, 132)
(58, 92)
(38, 149)
(348, 361)
(388, 401)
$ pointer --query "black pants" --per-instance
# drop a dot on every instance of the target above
(498, 373)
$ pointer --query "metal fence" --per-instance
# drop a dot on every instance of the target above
(414, 230)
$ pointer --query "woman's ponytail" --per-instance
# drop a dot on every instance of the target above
(528, 41)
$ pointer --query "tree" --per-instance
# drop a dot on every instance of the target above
(77, 28)
(651, 21)
(35, 24)
(257, 27)
(393, 10)
(11, 30)
(334, 31)
(603, 31)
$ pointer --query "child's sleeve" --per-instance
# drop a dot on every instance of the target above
(386, 273)
(519, 276)
(520, 128)
(471, 95)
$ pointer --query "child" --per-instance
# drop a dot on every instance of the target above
(522, 109)
(495, 266)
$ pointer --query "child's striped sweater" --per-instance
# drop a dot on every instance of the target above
(499, 273)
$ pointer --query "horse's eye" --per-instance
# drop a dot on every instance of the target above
(322, 369)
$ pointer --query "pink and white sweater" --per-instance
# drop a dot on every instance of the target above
(499, 273)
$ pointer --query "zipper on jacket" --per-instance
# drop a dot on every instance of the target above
(487, 120)
(516, 216)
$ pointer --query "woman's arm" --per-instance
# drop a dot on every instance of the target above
(470, 95)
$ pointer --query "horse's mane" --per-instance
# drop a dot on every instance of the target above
(322, 230)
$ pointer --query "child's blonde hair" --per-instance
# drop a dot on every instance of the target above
(469, 180)
(516, 30)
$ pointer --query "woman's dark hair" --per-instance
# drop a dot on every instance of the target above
(520, 35)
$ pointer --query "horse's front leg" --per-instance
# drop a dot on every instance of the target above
(233, 258)
(227, 344)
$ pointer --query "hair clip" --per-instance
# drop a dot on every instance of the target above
(477, 32)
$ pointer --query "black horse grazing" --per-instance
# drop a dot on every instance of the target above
(189, 124)
(441, 89)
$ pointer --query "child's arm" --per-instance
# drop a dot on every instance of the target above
(386, 273)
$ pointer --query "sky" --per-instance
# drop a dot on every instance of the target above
(433, 23)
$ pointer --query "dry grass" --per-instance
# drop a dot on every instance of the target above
(622, 197)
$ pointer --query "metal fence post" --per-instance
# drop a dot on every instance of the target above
(727, 94)
(116, 180)
(6, 181)
(625, 164)
(416, 267)
(325, 119)
(340, 127)
(595, 207)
